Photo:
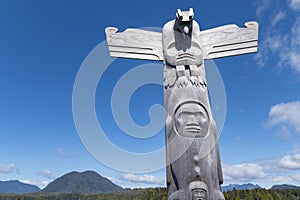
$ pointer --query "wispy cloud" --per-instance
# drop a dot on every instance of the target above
(285, 115)
(237, 138)
(279, 42)
(45, 173)
(294, 4)
(8, 168)
(61, 153)
(271, 43)
(261, 6)
(278, 17)
(290, 52)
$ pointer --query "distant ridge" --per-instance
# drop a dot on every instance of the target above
(17, 187)
(248, 186)
(88, 182)
(284, 186)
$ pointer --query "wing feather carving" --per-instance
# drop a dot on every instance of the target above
(134, 43)
(223, 41)
(229, 40)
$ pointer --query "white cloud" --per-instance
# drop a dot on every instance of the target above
(45, 173)
(270, 165)
(294, 4)
(281, 179)
(278, 17)
(265, 172)
(118, 182)
(292, 179)
(61, 153)
(286, 164)
(285, 114)
(143, 179)
(290, 162)
(296, 177)
(246, 172)
(278, 179)
(40, 184)
(8, 168)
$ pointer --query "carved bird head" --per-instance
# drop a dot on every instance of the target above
(185, 16)
(184, 20)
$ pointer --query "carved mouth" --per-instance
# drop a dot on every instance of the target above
(183, 56)
(193, 127)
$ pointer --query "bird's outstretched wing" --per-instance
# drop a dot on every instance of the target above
(229, 40)
(134, 43)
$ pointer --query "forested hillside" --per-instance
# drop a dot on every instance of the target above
(135, 194)
(263, 194)
(160, 194)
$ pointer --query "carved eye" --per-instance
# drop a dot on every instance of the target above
(190, 17)
(180, 17)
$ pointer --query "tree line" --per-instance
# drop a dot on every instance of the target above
(159, 194)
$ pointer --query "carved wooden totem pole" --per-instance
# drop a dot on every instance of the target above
(193, 159)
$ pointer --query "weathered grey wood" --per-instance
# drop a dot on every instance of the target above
(197, 172)
(229, 40)
(134, 43)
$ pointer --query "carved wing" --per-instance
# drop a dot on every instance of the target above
(170, 77)
(134, 43)
(229, 40)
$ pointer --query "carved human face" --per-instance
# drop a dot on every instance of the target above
(199, 194)
(191, 120)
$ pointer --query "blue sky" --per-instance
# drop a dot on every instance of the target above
(43, 44)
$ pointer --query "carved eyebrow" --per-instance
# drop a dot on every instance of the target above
(191, 112)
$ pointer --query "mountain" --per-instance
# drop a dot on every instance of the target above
(87, 182)
(284, 186)
(17, 187)
(248, 186)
